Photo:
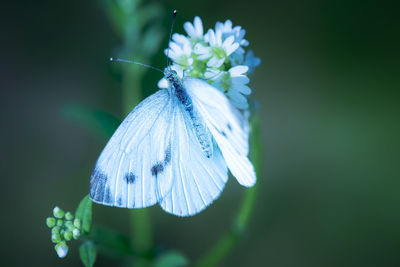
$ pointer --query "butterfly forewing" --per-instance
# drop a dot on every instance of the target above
(134, 169)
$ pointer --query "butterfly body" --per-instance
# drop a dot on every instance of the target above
(174, 148)
(202, 133)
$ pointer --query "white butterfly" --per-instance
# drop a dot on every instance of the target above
(175, 149)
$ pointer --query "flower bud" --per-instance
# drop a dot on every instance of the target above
(51, 222)
(69, 216)
(61, 249)
(69, 225)
(60, 222)
(68, 235)
(55, 230)
(55, 238)
(77, 223)
(76, 233)
(58, 213)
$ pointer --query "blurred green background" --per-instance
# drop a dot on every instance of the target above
(328, 95)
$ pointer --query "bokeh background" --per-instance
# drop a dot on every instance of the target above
(328, 99)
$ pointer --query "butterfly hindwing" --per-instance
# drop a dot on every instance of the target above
(199, 179)
(134, 169)
(226, 124)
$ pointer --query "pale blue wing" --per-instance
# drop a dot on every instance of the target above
(199, 179)
(134, 170)
(226, 124)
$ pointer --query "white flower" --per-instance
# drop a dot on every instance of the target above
(218, 50)
(232, 83)
(180, 51)
(195, 30)
(203, 56)
(237, 32)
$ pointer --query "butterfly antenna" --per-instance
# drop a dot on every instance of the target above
(115, 59)
(170, 35)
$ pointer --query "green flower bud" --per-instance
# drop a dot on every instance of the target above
(69, 225)
(51, 222)
(58, 213)
(55, 238)
(68, 235)
(60, 222)
(61, 249)
(77, 223)
(76, 233)
(69, 216)
(56, 230)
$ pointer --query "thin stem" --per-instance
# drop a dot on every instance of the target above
(131, 88)
(224, 245)
(142, 236)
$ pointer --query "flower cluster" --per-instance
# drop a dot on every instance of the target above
(218, 56)
(63, 229)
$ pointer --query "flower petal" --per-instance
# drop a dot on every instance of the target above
(211, 38)
(238, 99)
(212, 74)
(213, 62)
(244, 89)
(189, 29)
(198, 26)
(163, 83)
(228, 42)
(231, 49)
(238, 70)
(241, 79)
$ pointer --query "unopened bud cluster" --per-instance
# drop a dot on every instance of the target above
(63, 228)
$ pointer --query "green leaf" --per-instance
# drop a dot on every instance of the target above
(88, 253)
(98, 122)
(110, 242)
(84, 213)
(171, 259)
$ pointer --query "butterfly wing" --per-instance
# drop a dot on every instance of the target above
(199, 179)
(226, 124)
(134, 169)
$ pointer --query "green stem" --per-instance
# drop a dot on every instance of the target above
(141, 231)
(224, 245)
(131, 88)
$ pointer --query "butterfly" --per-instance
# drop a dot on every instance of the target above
(175, 149)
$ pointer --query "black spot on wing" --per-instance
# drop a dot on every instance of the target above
(160, 166)
(130, 178)
(98, 182)
(167, 157)
(229, 127)
(119, 202)
(108, 196)
(221, 132)
(156, 169)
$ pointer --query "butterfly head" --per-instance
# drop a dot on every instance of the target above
(171, 75)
